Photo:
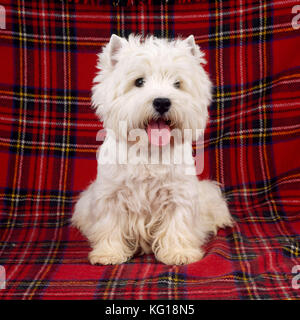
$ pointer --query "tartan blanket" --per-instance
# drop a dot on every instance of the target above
(48, 147)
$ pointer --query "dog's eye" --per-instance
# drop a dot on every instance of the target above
(139, 82)
(177, 84)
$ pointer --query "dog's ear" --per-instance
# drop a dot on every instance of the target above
(114, 46)
(106, 62)
(190, 41)
(194, 49)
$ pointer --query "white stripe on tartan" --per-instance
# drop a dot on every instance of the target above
(122, 24)
(142, 20)
(143, 280)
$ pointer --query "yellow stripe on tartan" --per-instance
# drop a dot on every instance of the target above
(233, 258)
(182, 281)
(247, 136)
(12, 195)
(260, 86)
(12, 205)
(264, 188)
(244, 35)
(295, 251)
(251, 135)
(218, 167)
(35, 147)
(68, 115)
(32, 196)
(217, 92)
(226, 278)
(118, 21)
(54, 42)
(62, 223)
(109, 283)
(264, 146)
(173, 280)
(264, 111)
(60, 230)
(264, 219)
(44, 96)
(93, 150)
(245, 279)
(216, 96)
(240, 258)
(102, 43)
(176, 281)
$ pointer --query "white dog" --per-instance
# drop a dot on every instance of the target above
(155, 86)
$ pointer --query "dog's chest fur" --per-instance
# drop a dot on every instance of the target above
(146, 194)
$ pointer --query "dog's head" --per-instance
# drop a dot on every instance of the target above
(152, 83)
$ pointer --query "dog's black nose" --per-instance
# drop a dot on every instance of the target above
(161, 105)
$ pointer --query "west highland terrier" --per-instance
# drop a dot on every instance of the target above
(153, 87)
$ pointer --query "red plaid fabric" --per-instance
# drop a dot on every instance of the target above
(48, 147)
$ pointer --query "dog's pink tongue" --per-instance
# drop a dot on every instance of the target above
(159, 133)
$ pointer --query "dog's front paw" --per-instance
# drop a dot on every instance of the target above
(179, 257)
(97, 257)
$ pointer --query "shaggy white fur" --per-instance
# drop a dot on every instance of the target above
(139, 206)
